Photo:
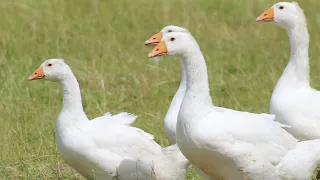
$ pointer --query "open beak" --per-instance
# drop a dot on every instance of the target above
(267, 16)
(154, 40)
(159, 50)
(37, 74)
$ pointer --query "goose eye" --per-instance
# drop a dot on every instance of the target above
(49, 64)
(170, 31)
(172, 39)
(281, 7)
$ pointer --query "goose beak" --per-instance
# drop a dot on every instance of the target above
(37, 74)
(267, 16)
(159, 50)
(154, 40)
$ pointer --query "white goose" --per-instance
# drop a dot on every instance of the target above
(231, 144)
(170, 120)
(106, 147)
(293, 101)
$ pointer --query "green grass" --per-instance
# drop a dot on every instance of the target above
(102, 40)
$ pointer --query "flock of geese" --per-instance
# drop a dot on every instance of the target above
(222, 144)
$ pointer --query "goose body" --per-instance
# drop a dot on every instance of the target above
(106, 147)
(293, 101)
(170, 120)
(225, 144)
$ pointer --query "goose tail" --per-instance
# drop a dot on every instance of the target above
(301, 162)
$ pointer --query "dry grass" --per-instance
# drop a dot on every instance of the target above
(102, 40)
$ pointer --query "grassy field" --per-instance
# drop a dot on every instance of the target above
(103, 42)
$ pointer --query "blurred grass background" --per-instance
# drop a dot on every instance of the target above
(103, 42)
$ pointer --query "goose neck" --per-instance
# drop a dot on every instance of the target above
(196, 76)
(178, 97)
(71, 94)
(298, 67)
(173, 111)
(183, 78)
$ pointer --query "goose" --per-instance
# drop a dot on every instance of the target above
(106, 147)
(293, 101)
(170, 119)
(231, 144)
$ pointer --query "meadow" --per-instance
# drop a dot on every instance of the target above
(103, 42)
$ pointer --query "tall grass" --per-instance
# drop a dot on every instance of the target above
(102, 41)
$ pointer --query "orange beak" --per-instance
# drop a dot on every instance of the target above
(37, 74)
(159, 50)
(154, 40)
(267, 16)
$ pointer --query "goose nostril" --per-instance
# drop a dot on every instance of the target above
(157, 49)
(35, 73)
(154, 38)
(264, 14)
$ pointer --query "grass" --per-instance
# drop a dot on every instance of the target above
(102, 40)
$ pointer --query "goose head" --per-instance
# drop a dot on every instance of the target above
(155, 39)
(284, 14)
(51, 69)
(174, 44)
